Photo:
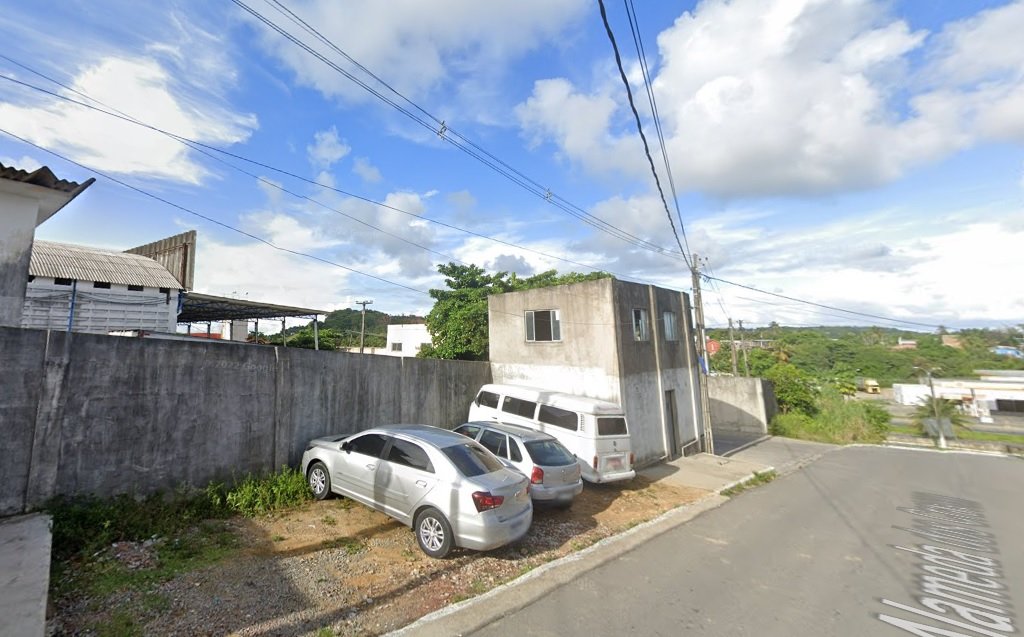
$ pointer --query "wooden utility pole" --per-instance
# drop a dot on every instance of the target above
(702, 354)
(362, 324)
(732, 349)
(743, 346)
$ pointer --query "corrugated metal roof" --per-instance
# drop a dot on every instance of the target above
(40, 177)
(66, 261)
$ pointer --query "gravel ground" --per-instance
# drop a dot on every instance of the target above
(331, 568)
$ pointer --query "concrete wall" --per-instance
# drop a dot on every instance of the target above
(107, 415)
(741, 405)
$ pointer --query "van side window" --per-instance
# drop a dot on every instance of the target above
(559, 417)
(495, 442)
(519, 407)
(487, 399)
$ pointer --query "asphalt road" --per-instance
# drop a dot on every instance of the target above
(813, 554)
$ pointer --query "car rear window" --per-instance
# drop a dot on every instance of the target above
(611, 427)
(471, 460)
(549, 453)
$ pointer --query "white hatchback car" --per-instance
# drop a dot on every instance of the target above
(555, 475)
(449, 489)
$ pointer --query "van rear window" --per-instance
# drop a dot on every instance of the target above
(559, 417)
(611, 427)
(519, 407)
(487, 399)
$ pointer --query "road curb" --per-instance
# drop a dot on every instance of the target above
(469, 616)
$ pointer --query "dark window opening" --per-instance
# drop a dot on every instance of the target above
(135, 288)
(370, 444)
(519, 407)
(543, 326)
(472, 459)
(611, 427)
(409, 454)
(559, 417)
(103, 285)
(31, 278)
(487, 399)
(495, 442)
(165, 290)
(62, 281)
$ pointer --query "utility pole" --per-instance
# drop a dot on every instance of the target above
(732, 349)
(743, 346)
(702, 354)
(935, 409)
(362, 325)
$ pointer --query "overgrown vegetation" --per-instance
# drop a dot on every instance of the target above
(835, 419)
(84, 526)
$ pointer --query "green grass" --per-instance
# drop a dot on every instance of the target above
(963, 433)
(756, 480)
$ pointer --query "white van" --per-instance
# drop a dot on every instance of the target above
(594, 430)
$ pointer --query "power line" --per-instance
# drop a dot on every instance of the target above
(448, 134)
(638, 42)
(200, 146)
(640, 129)
(822, 305)
(207, 218)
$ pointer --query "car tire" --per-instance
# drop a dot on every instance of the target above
(319, 480)
(433, 533)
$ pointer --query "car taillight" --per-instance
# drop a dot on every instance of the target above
(537, 476)
(595, 463)
(484, 501)
(632, 459)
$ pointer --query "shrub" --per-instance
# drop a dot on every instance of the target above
(794, 389)
(254, 496)
(837, 420)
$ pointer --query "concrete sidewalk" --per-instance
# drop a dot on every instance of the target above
(24, 574)
(710, 473)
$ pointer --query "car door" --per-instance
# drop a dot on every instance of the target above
(356, 468)
(407, 476)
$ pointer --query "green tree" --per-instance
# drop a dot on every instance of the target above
(795, 390)
(458, 321)
(928, 407)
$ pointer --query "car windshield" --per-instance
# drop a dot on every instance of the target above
(549, 453)
(472, 460)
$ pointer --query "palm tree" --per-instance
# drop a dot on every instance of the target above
(931, 407)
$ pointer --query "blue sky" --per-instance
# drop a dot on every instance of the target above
(862, 154)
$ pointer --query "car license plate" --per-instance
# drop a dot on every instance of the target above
(613, 463)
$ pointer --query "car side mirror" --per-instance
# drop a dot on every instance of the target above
(346, 447)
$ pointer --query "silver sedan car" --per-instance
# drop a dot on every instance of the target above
(449, 489)
(553, 471)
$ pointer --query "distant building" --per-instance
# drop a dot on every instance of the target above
(100, 291)
(1007, 350)
(626, 343)
(407, 340)
(949, 340)
(905, 343)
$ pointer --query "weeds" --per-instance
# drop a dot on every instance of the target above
(256, 496)
(836, 420)
(763, 477)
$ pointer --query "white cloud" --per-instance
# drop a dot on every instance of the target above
(141, 87)
(327, 148)
(26, 163)
(367, 171)
(418, 47)
(786, 97)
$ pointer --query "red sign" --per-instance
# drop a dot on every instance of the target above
(712, 346)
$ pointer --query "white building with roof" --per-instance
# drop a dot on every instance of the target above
(100, 291)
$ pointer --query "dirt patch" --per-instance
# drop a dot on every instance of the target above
(339, 568)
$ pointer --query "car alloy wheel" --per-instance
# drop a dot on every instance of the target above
(319, 480)
(433, 533)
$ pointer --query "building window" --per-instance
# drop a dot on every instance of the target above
(543, 325)
(396, 347)
(62, 281)
(165, 290)
(641, 325)
(135, 288)
(671, 332)
(103, 285)
(31, 278)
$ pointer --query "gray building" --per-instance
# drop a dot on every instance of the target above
(623, 342)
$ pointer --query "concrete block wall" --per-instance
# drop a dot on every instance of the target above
(107, 415)
(741, 405)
